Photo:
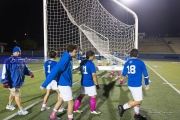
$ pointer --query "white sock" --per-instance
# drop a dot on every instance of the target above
(136, 110)
(70, 116)
(43, 105)
(126, 106)
(55, 110)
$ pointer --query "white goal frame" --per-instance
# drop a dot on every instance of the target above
(99, 67)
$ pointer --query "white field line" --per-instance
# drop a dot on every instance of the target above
(165, 80)
(13, 115)
(37, 70)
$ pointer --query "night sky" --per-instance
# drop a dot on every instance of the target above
(155, 17)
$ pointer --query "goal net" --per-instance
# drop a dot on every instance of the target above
(89, 25)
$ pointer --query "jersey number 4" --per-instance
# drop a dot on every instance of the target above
(131, 69)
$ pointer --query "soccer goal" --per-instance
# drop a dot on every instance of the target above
(89, 25)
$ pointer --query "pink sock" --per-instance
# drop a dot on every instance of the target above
(53, 114)
(77, 103)
(93, 104)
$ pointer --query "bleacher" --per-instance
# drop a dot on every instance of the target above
(174, 43)
(159, 46)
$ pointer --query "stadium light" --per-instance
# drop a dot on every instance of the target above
(127, 1)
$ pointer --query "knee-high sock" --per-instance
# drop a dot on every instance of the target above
(77, 103)
(93, 104)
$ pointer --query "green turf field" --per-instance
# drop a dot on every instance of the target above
(161, 101)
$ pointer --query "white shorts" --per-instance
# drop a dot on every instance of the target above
(99, 61)
(65, 93)
(52, 85)
(90, 91)
(136, 93)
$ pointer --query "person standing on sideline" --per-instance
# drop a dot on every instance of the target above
(134, 68)
(115, 63)
(63, 70)
(48, 65)
(126, 57)
(79, 56)
(99, 59)
(89, 83)
(13, 75)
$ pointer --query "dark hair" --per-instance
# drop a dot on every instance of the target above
(52, 54)
(89, 54)
(72, 47)
(134, 53)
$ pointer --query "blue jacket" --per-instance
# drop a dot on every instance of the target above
(63, 70)
(13, 72)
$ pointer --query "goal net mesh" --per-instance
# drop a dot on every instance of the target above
(89, 25)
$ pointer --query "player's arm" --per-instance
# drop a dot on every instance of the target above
(95, 80)
(5, 76)
(124, 73)
(146, 77)
(27, 71)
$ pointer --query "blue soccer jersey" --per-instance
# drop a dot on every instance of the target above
(79, 55)
(134, 68)
(48, 65)
(63, 71)
(87, 67)
(99, 57)
(114, 62)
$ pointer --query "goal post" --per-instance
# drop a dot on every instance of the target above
(136, 21)
(89, 25)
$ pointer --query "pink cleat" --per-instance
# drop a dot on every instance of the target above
(121, 82)
(118, 76)
(111, 75)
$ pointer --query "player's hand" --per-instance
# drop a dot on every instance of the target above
(147, 87)
(32, 75)
(97, 87)
(5, 85)
(41, 88)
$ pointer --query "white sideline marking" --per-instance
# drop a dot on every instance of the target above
(13, 115)
(37, 70)
(165, 80)
(171, 84)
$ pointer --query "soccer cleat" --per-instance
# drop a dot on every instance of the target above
(77, 111)
(140, 117)
(10, 107)
(118, 76)
(70, 119)
(22, 112)
(111, 75)
(95, 112)
(121, 110)
(62, 110)
(121, 82)
(45, 108)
